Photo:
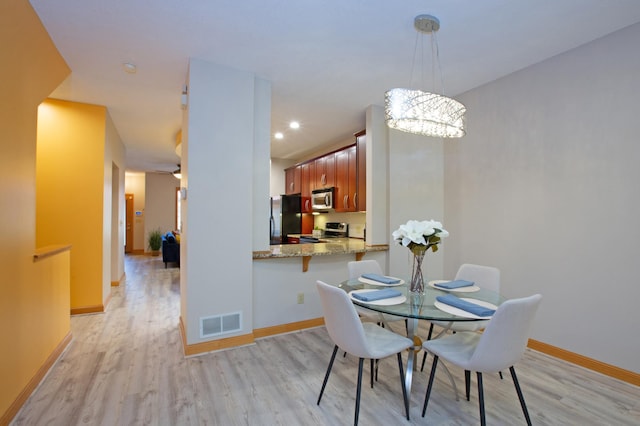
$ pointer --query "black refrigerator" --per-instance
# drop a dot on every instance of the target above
(274, 221)
(290, 219)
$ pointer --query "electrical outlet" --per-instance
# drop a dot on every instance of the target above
(300, 298)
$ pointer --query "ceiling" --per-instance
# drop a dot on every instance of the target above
(326, 60)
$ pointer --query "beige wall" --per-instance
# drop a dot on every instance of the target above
(113, 207)
(544, 186)
(154, 197)
(34, 307)
(160, 203)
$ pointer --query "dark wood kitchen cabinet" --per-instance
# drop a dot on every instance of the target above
(325, 170)
(346, 180)
(351, 176)
(361, 148)
(292, 180)
(307, 184)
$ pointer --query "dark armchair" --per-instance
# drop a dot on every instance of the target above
(170, 249)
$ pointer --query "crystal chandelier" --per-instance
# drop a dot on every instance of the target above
(420, 112)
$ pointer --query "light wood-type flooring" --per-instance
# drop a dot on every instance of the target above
(126, 367)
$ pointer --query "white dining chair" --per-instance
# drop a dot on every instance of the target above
(500, 346)
(356, 269)
(363, 340)
(487, 277)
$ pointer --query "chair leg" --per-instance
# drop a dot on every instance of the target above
(430, 332)
(404, 387)
(424, 359)
(520, 396)
(500, 373)
(433, 373)
(326, 376)
(467, 382)
(424, 356)
(358, 391)
(372, 367)
(377, 361)
(483, 421)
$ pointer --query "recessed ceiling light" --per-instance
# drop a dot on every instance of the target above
(278, 135)
(129, 68)
(294, 125)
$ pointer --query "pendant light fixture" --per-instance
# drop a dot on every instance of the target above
(421, 112)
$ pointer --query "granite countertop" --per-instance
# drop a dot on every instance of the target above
(334, 247)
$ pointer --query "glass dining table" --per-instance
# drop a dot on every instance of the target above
(415, 307)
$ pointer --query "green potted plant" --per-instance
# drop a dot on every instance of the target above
(155, 241)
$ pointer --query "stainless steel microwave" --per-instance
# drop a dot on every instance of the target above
(322, 199)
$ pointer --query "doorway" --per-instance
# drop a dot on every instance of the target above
(128, 238)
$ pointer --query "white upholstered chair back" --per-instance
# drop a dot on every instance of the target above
(486, 277)
(505, 338)
(359, 267)
(342, 321)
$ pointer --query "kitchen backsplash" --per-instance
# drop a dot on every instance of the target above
(356, 230)
(356, 221)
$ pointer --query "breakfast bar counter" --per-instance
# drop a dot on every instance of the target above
(337, 246)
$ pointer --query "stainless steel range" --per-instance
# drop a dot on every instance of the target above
(336, 230)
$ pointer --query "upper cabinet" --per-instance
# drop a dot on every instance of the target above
(361, 148)
(346, 193)
(292, 180)
(351, 176)
(325, 168)
(307, 184)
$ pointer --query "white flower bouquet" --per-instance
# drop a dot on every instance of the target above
(419, 236)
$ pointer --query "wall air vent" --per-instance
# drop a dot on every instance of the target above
(220, 324)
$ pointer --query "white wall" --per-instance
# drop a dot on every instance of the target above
(544, 187)
(416, 182)
(377, 154)
(261, 164)
(277, 283)
(226, 148)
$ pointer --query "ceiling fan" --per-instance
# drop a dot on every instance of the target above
(176, 173)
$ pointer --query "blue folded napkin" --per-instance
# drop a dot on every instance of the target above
(370, 296)
(454, 284)
(381, 278)
(470, 307)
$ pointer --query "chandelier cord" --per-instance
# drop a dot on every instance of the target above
(435, 62)
(413, 62)
(435, 52)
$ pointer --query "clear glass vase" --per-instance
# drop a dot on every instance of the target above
(417, 276)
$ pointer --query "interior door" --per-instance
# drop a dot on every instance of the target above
(128, 237)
